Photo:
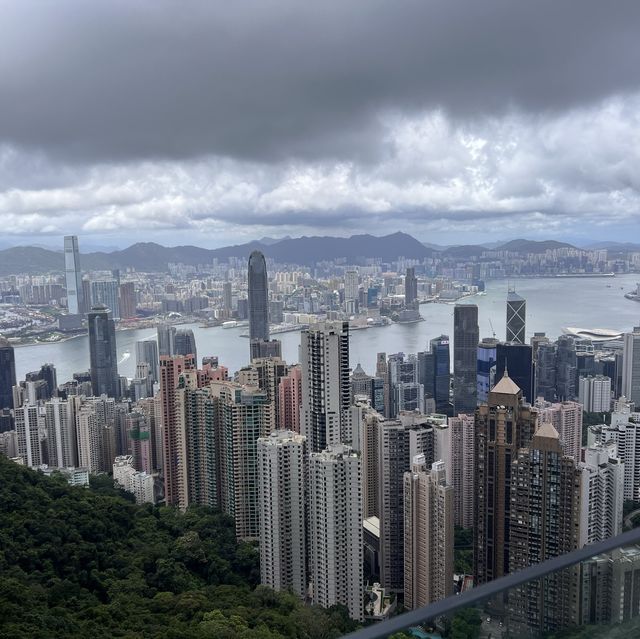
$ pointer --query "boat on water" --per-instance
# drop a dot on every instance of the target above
(229, 324)
(564, 275)
(634, 295)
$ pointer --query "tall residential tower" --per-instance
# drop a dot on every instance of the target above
(326, 388)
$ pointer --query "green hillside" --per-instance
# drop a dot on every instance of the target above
(85, 562)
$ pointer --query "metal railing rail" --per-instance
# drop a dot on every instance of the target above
(489, 590)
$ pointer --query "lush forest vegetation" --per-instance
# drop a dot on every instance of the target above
(86, 562)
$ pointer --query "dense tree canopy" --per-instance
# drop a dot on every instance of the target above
(85, 562)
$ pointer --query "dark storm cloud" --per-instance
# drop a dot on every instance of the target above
(125, 80)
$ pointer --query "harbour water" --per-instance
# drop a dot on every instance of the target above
(551, 304)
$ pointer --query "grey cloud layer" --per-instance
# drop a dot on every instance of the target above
(116, 81)
(512, 175)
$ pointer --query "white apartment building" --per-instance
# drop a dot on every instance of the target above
(281, 494)
(30, 429)
(602, 493)
(141, 484)
(61, 433)
(594, 393)
(326, 389)
(335, 529)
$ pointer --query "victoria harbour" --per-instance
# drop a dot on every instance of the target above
(552, 303)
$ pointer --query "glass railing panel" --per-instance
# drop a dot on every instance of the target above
(590, 593)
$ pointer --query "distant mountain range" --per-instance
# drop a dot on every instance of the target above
(148, 256)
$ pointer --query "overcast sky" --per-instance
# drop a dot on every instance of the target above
(212, 122)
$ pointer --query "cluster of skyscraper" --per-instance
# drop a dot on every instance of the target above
(83, 294)
(344, 478)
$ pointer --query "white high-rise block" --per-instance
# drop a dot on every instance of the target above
(282, 478)
(335, 529)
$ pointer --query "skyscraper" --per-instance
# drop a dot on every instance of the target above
(282, 490)
(516, 316)
(73, 276)
(106, 292)
(370, 447)
(61, 433)
(290, 400)
(503, 426)
(102, 352)
(185, 343)
(594, 393)
(258, 297)
(545, 371)
(127, 300)
(351, 285)
(361, 383)
(516, 358)
(166, 340)
(271, 371)
(566, 418)
(574, 358)
(601, 504)
(29, 426)
(405, 393)
(172, 445)
(326, 391)
(243, 417)
(199, 443)
(410, 287)
(428, 534)
(7, 373)
(400, 440)
(227, 298)
(486, 367)
(335, 529)
(434, 373)
(147, 353)
(611, 588)
(544, 496)
(466, 336)
(631, 366)
(260, 348)
(462, 474)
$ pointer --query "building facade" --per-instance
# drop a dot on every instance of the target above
(466, 336)
(102, 352)
(428, 534)
(326, 391)
(282, 494)
(335, 529)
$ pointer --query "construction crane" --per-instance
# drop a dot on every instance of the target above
(491, 324)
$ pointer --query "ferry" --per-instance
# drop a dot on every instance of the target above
(634, 295)
(229, 324)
